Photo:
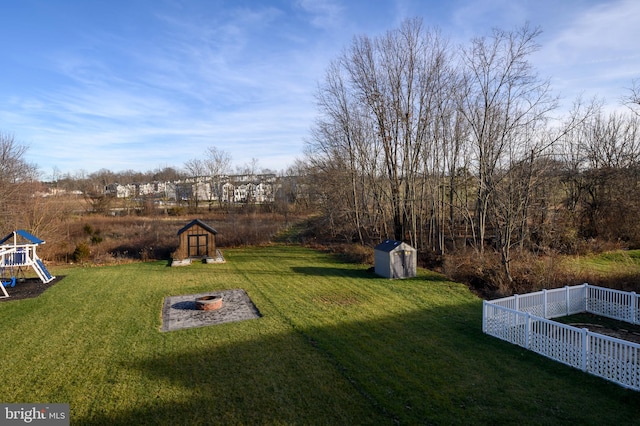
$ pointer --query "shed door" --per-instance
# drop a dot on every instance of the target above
(401, 264)
(407, 261)
(197, 245)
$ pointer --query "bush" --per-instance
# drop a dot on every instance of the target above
(81, 253)
(87, 229)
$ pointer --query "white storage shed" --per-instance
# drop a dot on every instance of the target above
(395, 259)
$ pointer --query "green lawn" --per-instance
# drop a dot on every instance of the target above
(615, 269)
(335, 345)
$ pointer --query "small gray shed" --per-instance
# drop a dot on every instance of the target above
(395, 259)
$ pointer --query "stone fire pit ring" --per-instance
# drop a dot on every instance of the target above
(208, 303)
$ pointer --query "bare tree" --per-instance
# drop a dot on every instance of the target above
(397, 76)
(632, 99)
(16, 179)
(602, 173)
(218, 164)
(250, 168)
(505, 102)
(166, 174)
(378, 103)
(93, 190)
(196, 170)
(342, 136)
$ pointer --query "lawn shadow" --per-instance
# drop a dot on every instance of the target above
(256, 382)
(427, 366)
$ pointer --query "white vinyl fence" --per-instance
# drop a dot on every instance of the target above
(524, 320)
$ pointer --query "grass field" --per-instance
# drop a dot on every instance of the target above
(618, 269)
(335, 345)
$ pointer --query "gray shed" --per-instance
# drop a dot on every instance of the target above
(395, 259)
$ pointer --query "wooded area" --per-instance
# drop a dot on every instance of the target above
(453, 148)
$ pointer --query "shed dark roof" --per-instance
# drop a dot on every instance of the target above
(390, 245)
(197, 222)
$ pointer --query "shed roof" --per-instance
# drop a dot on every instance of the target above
(390, 245)
(200, 223)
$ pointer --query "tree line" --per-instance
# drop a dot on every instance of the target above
(457, 147)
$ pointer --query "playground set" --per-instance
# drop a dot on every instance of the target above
(17, 252)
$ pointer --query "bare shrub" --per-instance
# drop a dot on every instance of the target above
(481, 272)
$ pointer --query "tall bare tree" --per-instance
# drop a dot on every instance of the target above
(505, 102)
(378, 103)
(218, 164)
(196, 169)
(397, 77)
(17, 178)
(343, 136)
(632, 98)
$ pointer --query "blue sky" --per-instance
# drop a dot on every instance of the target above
(145, 84)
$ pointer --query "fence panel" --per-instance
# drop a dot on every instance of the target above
(556, 305)
(577, 299)
(532, 303)
(505, 324)
(557, 341)
(505, 302)
(610, 303)
(614, 359)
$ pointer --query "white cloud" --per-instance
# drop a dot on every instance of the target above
(599, 34)
(596, 51)
(477, 18)
(325, 14)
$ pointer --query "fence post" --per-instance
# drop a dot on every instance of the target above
(632, 311)
(484, 316)
(585, 348)
(544, 303)
(566, 299)
(585, 294)
(526, 331)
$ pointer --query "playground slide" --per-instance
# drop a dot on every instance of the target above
(44, 271)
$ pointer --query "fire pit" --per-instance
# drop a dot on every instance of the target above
(209, 303)
(179, 312)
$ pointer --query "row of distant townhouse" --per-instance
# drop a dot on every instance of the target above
(230, 189)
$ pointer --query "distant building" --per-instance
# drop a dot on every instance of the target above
(247, 188)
